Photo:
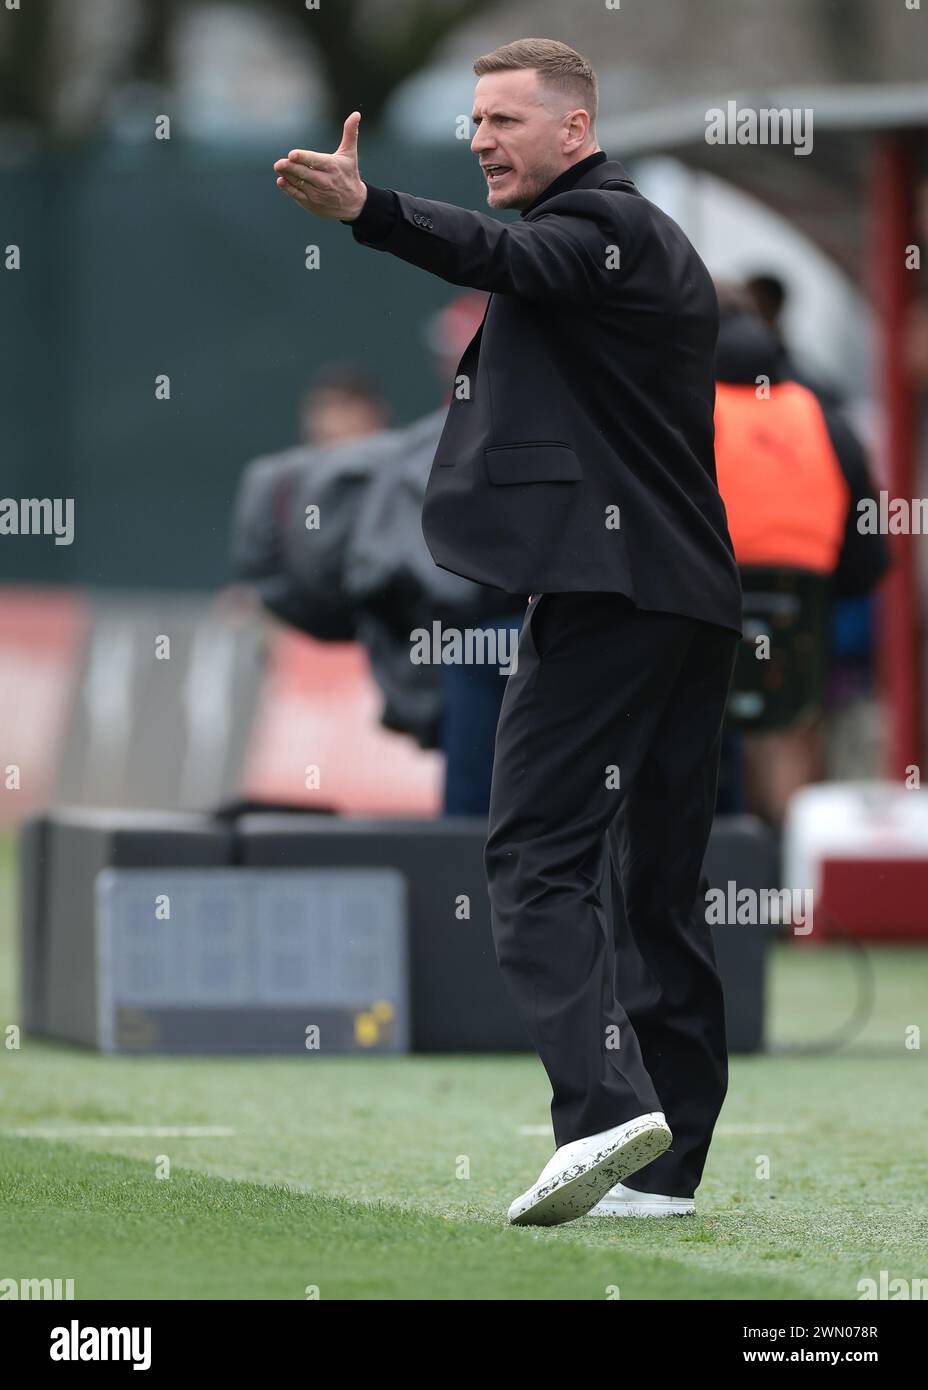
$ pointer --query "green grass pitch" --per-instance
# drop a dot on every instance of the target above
(375, 1178)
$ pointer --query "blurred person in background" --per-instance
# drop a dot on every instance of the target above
(791, 473)
(342, 402)
(472, 692)
(767, 295)
(367, 576)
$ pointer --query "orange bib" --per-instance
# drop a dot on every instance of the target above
(779, 476)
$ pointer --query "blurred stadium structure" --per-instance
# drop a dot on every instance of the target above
(163, 318)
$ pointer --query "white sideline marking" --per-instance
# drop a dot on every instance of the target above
(720, 1131)
(124, 1131)
(730, 1131)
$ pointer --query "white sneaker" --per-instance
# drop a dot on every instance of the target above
(582, 1172)
(624, 1201)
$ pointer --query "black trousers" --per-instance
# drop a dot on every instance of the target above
(606, 760)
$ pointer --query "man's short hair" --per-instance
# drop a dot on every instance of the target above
(557, 64)
(343, 379)
(768, 293)
(734, 299)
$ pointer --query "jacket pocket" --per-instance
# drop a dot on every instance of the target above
(535, 620)
(532, 463)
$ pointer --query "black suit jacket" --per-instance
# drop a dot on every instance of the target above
(578, 448)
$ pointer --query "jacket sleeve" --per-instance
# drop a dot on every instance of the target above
(864, 558)
(378, 216)
(556, 257)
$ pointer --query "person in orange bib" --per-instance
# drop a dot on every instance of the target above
(791, 473)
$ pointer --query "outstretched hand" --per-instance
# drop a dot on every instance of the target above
(326, 184)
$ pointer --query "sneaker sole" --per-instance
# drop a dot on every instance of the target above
(575, 1191)
(639, 1209)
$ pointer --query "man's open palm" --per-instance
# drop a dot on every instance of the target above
(326, 184)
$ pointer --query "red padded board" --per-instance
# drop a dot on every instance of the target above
(882, 899)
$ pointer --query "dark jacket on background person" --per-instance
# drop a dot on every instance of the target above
(364, 574)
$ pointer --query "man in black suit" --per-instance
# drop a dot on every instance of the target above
(576, 465)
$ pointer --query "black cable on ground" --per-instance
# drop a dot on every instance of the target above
(859, 1017)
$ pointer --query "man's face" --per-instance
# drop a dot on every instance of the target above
(521, 134)
(330, 415)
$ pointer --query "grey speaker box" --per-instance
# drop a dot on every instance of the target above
(459, 1001)
(83, 885)
(63, 854)
(252, 961)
